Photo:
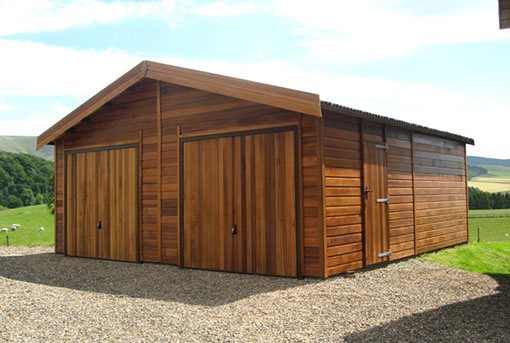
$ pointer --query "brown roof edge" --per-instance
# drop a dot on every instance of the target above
(106, 94)
(395, 122)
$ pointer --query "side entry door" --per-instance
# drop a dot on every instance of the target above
(376, 203)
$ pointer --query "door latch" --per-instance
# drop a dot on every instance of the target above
(367, 190)
(383, 200)
(98, 225)
(234, 229)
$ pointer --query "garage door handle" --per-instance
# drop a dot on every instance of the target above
(98, 225)
(234, 229)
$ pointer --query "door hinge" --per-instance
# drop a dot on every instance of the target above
(385, 254)
(383, 200)
(382, 146)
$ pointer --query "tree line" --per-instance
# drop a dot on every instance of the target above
(480, 200)
(25, 180)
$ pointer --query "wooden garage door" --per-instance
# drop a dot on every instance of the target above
(239, 203)
(376, 203)
(102, 204)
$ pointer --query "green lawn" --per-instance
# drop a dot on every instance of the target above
(494, 225)
(491, 258)
(31, 219)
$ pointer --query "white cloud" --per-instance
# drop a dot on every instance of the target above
(223, 9)
(46, 15)
(35, 69)
(61, 71)
(358, 31)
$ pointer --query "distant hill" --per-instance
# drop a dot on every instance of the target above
(479, 161)
(25, 145)
(489, 174)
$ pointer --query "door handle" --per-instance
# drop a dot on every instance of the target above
(98, 225)
(234, 229)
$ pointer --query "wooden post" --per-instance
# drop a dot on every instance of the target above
(478, 238)
(7, 240)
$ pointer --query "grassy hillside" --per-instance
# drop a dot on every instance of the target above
(31, 219)
(496, 180)
(25, 145)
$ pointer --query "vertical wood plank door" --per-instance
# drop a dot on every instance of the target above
(376, 209)
(101, 204)
(239, 204)
(209, 204)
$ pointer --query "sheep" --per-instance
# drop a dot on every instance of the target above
(4, 230)
(14, 227)
(41, 229)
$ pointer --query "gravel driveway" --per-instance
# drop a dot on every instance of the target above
(47, 297)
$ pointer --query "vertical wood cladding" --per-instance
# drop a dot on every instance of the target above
(342, 193)
(440, 184)
(400, 190)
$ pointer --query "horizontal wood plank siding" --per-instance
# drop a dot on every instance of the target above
(440, 184)
(400, 190)
(313, 237)
(59, 197)
(342, 194)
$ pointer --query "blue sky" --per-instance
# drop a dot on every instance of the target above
(440, 63)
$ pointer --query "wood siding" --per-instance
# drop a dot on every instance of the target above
(342, 194)
(440, 193)
(426, 185)
(59, 197)
(157, 115)
(400, 190)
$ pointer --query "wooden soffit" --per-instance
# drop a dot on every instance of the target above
(288, 99)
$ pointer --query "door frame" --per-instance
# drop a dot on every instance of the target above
(76, 151)
(297, 181)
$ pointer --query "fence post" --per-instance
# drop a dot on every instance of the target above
(7, 239)
(478, 240)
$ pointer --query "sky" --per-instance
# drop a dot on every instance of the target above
(438, 63)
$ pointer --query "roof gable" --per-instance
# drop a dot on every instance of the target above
(279, 97)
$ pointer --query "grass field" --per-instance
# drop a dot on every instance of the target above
(494, 225)
(497, 180)
(491, 258)
(31, 219)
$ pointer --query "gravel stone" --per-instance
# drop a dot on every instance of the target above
(48, 297)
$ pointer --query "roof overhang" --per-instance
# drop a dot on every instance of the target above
(394, 122)
(288, 99)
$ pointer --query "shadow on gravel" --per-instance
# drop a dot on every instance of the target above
(478, 320)
(149, 281)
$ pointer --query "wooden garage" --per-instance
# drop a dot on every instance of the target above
(177, 166)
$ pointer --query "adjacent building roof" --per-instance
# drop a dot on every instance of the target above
(504, 14)
(289, 99)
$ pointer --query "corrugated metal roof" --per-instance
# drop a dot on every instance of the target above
(395, 122)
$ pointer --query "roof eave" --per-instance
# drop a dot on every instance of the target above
(93, 104)
(395, 122)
